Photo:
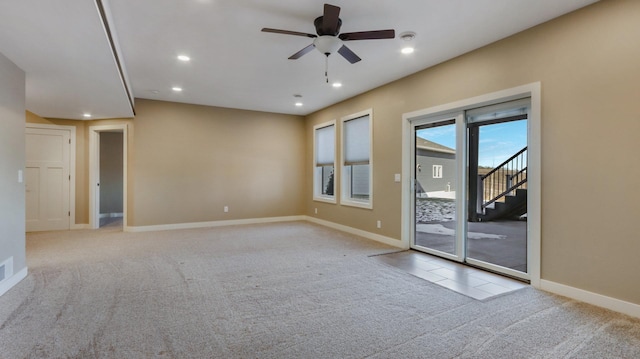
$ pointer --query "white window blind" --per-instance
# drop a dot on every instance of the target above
(357, 141)
(325, 145)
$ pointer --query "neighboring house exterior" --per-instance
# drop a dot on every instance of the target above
(435, 169)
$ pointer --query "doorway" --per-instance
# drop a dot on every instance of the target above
(108, 176)
(473, 189)
(111, 179)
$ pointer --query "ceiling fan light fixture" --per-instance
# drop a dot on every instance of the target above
(327, 44)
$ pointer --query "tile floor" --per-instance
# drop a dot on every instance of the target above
(469, 281)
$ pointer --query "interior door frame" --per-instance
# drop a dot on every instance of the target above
(94, 172)
(72, 166)
(532, 90)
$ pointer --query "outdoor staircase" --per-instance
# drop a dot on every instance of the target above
(513, 207)
(502, 192)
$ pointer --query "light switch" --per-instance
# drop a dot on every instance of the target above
(20, 176)
(397, 177)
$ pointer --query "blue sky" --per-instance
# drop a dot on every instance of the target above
(497, 142)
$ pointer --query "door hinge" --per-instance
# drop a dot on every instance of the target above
(69, 213)
(69, 177)
(69, 141)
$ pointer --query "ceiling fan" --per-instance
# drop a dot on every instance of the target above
(329, 40)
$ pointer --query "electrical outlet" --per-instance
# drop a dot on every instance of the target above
(379, 224)
(315, 210)
(396, 177)
(226, 209)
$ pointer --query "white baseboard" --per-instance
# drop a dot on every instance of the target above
(13, 280)
(233, 222)
(358, 232)
(596, 299)
(111, 215)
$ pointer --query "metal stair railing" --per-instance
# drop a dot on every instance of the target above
(503, 180)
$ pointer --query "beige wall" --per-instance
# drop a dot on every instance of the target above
(12, 160)
(194, 160)
(190, 161)
(588, 63)
(186, 161)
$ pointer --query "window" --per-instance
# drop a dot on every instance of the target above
(324, 162)
(356, 172)
(437, 171)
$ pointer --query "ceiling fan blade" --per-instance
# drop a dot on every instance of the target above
(368, 35)
(348, 54)
(331, 20)
(299, 54)
(287, 32)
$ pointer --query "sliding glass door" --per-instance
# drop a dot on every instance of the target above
(436, 182)
(470, 186)
(496, 235)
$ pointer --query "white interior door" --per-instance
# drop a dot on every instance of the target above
(47, 179)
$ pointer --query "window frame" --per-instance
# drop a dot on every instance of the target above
(317, 170)
(345, 179)
(436, 171)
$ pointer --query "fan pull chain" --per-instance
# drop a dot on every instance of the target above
(326, 67)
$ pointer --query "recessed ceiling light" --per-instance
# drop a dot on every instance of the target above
(298, 104)
(337, 84)
(184, 58)
(87, 115)
(407, 50)
(176, 89)
(408, 35)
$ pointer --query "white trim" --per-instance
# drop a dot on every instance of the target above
(192, 225)
(406, 210)
(72, 164)
(358, 232)
(111, 215)
(8, 283)
(532, 90)
(81, 226)
(94, 171)
(596, 299)
(513, 93)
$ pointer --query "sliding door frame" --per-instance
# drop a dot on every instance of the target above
(459, 188)
(534, 163)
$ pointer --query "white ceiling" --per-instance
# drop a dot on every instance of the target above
(63, 48)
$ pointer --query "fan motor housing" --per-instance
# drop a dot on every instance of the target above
(318, 24)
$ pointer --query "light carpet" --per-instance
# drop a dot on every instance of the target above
(284, 290)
